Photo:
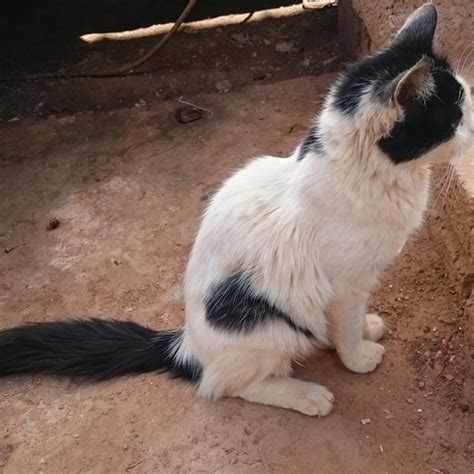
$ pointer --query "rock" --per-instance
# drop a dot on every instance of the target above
(421, 384)
(410, 401)
(241, 38)
(306, 62)
(141, 103)
(223, 86)
(53, 224)
(365, 421)
(446, 319)
(258, 75)
(285, 47)
(187, 114)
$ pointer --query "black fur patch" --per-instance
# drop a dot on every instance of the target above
(99, 348)
(428, 123)
(413, 42)
(234, 306)
(378, 70)
(312, 142)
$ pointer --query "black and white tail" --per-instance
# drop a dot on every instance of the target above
(94, 347)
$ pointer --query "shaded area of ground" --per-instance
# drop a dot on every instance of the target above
(128, 188)
(195, 60)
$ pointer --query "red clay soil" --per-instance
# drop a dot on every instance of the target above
(128, 188)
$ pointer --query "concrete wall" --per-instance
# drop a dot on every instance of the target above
(368, 25)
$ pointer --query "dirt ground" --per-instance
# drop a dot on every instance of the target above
(128, 185)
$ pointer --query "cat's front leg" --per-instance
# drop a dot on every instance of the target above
(374, 327)
(347, 320)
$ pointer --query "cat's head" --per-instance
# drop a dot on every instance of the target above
(406, 99)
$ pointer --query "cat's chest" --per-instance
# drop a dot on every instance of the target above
(371, 235)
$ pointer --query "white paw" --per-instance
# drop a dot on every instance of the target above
(316, 401)
(374, 327)
(366, 359)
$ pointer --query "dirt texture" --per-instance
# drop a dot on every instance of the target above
(102, 192)
(125, 190)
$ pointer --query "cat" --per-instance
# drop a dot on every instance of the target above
(289, 249)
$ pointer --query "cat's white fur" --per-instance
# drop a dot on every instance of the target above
(316, 235)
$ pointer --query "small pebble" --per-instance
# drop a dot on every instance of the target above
(285, 47)
(410, 401)
(365, 421)
(421, 384)
(223, 86)
(141, 103)
(187, 114)
(53, 224)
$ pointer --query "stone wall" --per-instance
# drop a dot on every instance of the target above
(368, 25)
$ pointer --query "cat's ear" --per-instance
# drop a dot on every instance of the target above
(419, 29)
(416, 82)
(409, 85)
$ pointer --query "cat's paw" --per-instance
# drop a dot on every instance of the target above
(374, 327)
(366, 358)
(316, 401)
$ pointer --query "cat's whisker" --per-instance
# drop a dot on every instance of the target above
(450, 180)
(439, 187)
(461, 58)
(466, 59)
(468, 71)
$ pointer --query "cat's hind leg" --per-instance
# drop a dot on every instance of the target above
(306, 397)
(263, 377)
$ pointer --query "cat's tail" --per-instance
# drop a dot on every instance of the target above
(94, 347)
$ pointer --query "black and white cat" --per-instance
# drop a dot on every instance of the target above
(289, 249)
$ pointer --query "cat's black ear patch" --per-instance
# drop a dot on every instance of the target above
(418, 31)
(427, 122)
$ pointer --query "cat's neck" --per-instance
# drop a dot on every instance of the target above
(359, 180)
